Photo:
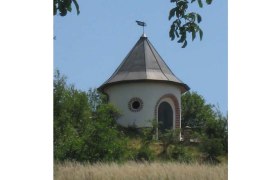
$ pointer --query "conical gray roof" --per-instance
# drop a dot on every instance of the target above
(143, 63)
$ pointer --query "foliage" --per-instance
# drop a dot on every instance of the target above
(208, 124)
(147, 136)
(168, 138)
(83, 129)
(214, 139)
(180, 153)
(103, 140)
(195, 111)
(96, 98)
(212, 147)
(64, 6)
(145, 153)
(224, 125)
(218, 128)
(185, 22)
(71, 116)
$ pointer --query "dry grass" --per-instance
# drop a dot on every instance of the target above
(139, 171)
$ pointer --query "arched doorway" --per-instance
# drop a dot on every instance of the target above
(165, 116)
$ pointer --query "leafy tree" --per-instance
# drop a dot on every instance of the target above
(179, 153)
(96, 98)
(64, 6)
(71, 116)
(195, 111)
(167, 138)
(85, 127)
(223, 125)
(214, 139)
(208, 124)
(103, 140)
(185, 22)
(145, 153)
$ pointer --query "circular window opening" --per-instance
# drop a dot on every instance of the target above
(135, 104)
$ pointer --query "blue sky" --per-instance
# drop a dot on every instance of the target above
(90, 46)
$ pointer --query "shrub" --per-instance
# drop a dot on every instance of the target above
(212, 148)
(179, 153)
(145, 154)
(85, 127)
(167, 138)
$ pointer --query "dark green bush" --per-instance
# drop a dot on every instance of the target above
(145, 154)
(179, 153)
(213, 139)
(208, 124)
(212, 148)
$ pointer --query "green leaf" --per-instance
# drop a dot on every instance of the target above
(182, 5)
(200, 33)
(198, 18)
(171, 13)
(183, 37)
(67, 3)
(69, 8)
(193, 34)
(172, 37)
(200, 3)
(54, 10)
(63, 12)
(185, 44)
(208, 1)
(193, 1)
(192, 16)
(77, 6)
(177, 34)
(178, 22)
(181, 40)
(171, 33)
(177, 13)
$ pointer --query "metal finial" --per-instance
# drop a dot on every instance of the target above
(143, 24)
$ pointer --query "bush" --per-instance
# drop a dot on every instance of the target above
(212, 148)
(85, 127)
(167, 138)
(145, 154)
(179, 153)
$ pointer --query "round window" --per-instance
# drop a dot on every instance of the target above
(135, 104)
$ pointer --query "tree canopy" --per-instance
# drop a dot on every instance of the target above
(64, 6)
(84, 125)
(207, 123)
(184, 22)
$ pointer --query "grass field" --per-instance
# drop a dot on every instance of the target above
(137, 171)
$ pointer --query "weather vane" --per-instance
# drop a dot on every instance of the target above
(141, 23)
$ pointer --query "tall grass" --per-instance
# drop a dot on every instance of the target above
(139, 171)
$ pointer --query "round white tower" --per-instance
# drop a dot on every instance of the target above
(143, 88)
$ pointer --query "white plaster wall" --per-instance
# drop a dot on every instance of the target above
(149, 92)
